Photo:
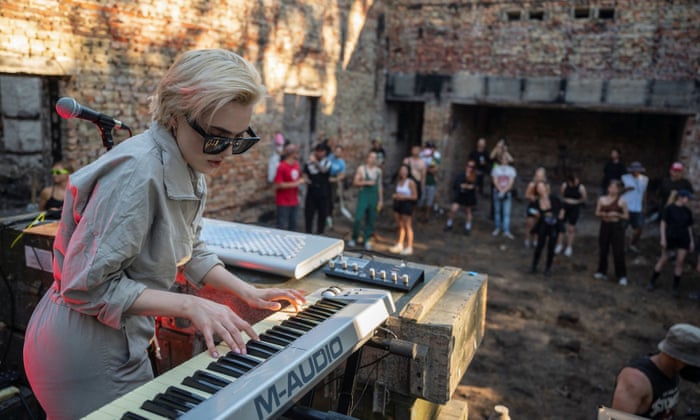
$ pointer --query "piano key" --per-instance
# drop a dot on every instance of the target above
(296, 325)
(269, 347)
(184, 395)
(205, 381)
(281, 335)
(160, 409)
(261, 351)
(303, 321)
(333, 303)
(311, 316)
(176, 402)
(226, 369)
(321, 310)
(243, 358)
(285, 330)
(270, 338)
(132, 416)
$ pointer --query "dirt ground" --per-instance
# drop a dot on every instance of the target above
(552, 346)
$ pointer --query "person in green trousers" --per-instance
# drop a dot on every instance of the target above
(368, 178)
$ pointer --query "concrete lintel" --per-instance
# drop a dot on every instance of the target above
(673, 93)
(504, 88)
(403, 84)
(584, 91)
(542, 89)
(626, 92)
(468, 86)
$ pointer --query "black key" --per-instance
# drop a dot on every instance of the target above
(242, 358)
(306, 322)
(173, 403)
(197, 384)
(325, 311)
(205, 382)
(320, 313)
(184, 395)
(132, 416)
(333, 302)
(296, 325)
(281, 335)
(226, 369)
(288, 331)
(269, 338)
(259, 349)
(161, 410)
(312, 315)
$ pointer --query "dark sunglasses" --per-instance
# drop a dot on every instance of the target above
(213, 145)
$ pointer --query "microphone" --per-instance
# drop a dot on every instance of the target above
(70, 108)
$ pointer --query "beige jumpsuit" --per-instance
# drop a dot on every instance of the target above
(129, 219)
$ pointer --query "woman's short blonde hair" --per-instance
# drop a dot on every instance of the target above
(201, 81)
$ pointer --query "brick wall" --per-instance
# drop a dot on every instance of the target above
(110, 56)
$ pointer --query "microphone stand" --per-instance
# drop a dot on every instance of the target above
(106, 126)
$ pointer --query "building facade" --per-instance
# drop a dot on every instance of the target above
(562, 81)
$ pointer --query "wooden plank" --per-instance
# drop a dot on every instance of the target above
(454, 410)
(430, 294)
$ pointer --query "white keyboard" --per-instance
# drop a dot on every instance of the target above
(281, 252)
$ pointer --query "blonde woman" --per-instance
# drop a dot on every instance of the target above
(133, 225)
(51, 198)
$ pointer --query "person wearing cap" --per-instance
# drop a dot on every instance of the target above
(676, 233)
(650, 386)
(635, 183)
(287, 181)
(675, 182)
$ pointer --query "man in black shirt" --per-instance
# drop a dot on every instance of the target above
(674, 183)
(317, 171)
(483, 164)
(649, 386)
(613, 169)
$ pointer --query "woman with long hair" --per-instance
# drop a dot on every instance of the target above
(612, 210)
(404, 198)
(531, 214)
(574, 195)
(549, 211)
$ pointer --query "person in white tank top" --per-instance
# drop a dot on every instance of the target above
(404, 198)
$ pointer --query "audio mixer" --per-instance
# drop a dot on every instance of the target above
(378, 274)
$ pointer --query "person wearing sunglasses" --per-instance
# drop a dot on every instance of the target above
(51, 197)
(130, 225)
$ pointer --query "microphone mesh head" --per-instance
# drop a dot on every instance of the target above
(67, 108)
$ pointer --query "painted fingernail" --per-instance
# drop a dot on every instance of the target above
(215, 354)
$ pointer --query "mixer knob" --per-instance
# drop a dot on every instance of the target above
(405, 279)
(394, 277)
(345, 264)
(382, 275)
(331, 264)
(372, 273)
(355, 268)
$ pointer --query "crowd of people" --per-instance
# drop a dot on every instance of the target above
(551, 212)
